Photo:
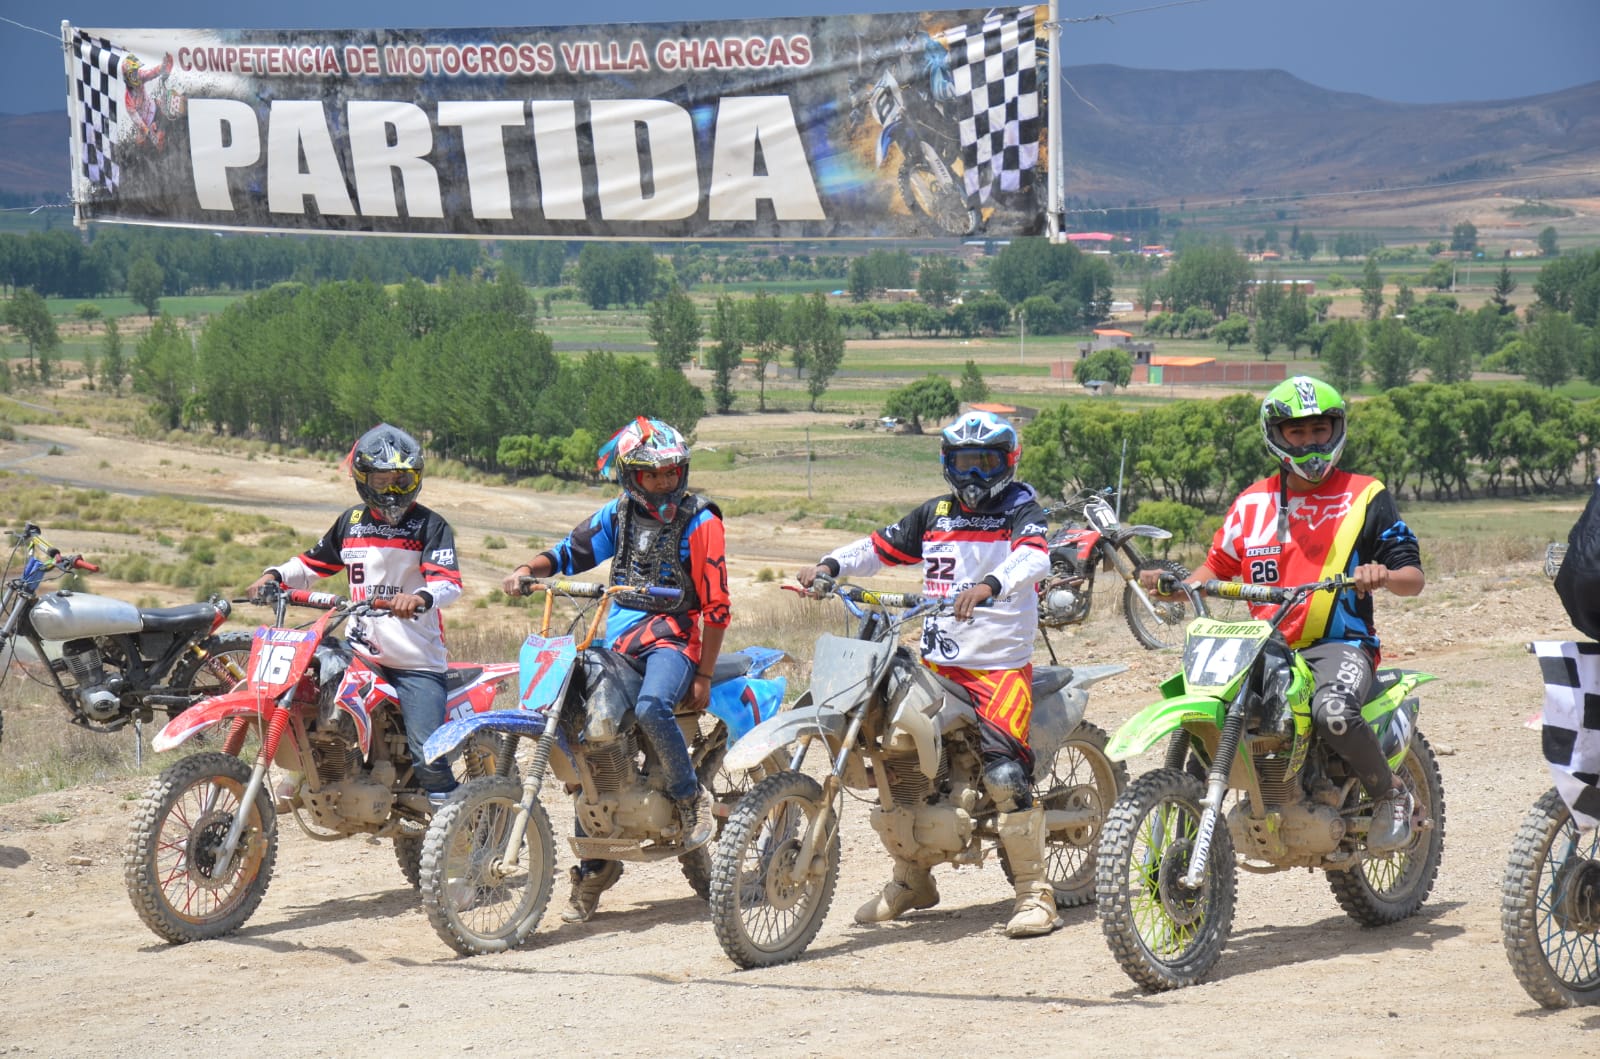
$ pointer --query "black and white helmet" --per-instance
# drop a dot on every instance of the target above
(978, 453)
(387, 448)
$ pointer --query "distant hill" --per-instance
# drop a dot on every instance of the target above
(1161, 135)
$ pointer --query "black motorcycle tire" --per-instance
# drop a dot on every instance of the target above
(1080, 777)
(1549, 915)
(745, 902)
(476, 760)
(471, 911)
(1132, 902)
(1157, 633)
(198, 675)
(165, 866)
(1387, 889)
(942, 202)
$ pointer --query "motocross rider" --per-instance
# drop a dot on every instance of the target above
(656, 533)
(983, 541)
(1312, 521)
(391, 546)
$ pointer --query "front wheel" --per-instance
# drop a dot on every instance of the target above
(476, 901)
(1387, 889)
(1083, 781)
(929, 188)
(1550, 906)
(1164, 935)
(765, 905)
(178, 884)
(1165, 627)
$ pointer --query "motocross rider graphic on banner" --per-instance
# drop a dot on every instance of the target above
(844, 126)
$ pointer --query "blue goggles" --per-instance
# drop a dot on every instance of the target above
(985, 464)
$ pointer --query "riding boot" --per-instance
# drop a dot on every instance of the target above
(1022, 837)
(587, 888)
(911, 888)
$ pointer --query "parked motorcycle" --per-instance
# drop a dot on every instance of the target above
(109, 662)
(1240, 709)
(205, 837)
(927, 141)
(1093, 538)
(489, 856)
(893, 726)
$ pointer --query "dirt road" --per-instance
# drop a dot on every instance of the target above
(339, 959)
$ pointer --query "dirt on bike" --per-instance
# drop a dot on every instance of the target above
(1239, 713)
(1093, 538)
(110, 663)
(892, 727)
(204, 840)
(489, 856)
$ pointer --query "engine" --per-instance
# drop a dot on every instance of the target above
(99, 693)
(1299, 833)
(1064, 596)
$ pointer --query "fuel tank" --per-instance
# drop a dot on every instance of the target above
(70, 615)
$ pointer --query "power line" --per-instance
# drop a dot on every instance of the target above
(1133, 11)
(34, 29)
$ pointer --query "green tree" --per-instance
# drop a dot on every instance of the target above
(1392, 353)
(1405, 299)
(928, 400)
(1343, 351)
(1504, 285)
(1371, 287)
(1552, 343)
(1214, 275)
(28, 313)
(727, 351)
(113, 365)
(1234, 331)
(763, 318)
(860, 280)
(818, 342)
(973, 386)
(1113, 366)
(938, 281)
(1547, 242)
(1464, 237)
(1449, 352)
(146, 280)
(165, 370)
(675, 327)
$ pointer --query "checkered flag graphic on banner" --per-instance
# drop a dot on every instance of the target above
(997, 100)
(1571, 730)
(97, 84)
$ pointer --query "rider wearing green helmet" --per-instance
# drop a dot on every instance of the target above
(1312, 520)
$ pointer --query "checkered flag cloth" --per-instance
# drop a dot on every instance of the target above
(97, 84)
(997, 100)
(1571, 674)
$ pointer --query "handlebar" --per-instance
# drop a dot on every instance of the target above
(1167, 583)
(32, 538)
(591, 589)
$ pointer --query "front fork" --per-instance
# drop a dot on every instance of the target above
(277, 720)
(511, 856)
(1216, 790)
(807, 864)
(1131, 576)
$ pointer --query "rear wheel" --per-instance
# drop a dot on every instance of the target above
(1550, 906)
(1083, 781)
(1163, 934)
(178, 883)
(1165, 627)
(1387, 889)
(220, 668)
(476, 902)
(766, 907)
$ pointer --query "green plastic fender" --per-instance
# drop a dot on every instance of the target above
(1160, 719)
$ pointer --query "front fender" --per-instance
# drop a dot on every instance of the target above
(205, 714)
(1160, 719)
(774, 734)
(1153, 532)
(448, 737)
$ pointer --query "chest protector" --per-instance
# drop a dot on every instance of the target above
(650, 554)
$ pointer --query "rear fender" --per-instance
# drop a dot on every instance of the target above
(1160, 719)
(743, 704)
(776, 733)
(241, 702)
(478, 696)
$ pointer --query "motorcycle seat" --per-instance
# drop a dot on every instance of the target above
(178, 619)
(1049, 679)
(460, 677)
(730, 665)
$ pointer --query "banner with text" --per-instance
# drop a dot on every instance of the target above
(845, 126)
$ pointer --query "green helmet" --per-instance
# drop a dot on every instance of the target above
(1300, 398)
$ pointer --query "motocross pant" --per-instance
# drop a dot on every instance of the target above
(1003, 700)
(422, 696)
(1343, 674)
(667, 676)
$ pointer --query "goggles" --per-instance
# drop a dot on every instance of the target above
(985, 463)
(393, 483)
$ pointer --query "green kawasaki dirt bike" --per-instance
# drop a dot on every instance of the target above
(1238, 718)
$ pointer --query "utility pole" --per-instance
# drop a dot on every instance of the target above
(808, 463)
(1022, 334)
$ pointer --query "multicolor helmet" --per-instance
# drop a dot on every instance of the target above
(387, 448)
(978, 453)
(647, 445)
(1303, 397)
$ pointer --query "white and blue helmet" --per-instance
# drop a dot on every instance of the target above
(978, 453)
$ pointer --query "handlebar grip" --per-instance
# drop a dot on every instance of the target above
(582, 589)
(1248, 593)
(301, 597)
(80, 563)
(663, 592)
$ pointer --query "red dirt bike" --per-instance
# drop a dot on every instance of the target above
(205, 837)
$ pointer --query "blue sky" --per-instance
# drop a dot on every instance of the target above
(1409, 51)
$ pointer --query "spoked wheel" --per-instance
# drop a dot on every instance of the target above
(476, 759)
(1164, 934)
(929, 188)
(1084, 782)
(1387, 889)
(1550, 906)
(765, 905)
(176, 879)
(223, 666)
(476, 901)
(1165, 627)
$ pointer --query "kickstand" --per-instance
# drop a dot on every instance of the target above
(138, 743)
(1048, 646)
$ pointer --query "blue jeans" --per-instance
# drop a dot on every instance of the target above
(667, 676)
(422, 698)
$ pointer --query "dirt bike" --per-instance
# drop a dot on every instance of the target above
(891, 725)
(1097, 538)
(927, 138)
(205, 837)
(488, 858)
(1240, 709)
(109, 662)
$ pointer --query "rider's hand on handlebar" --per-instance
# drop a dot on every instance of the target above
(266, 588)
(407, 604)
(1369, 577)
(970, 599)
(1160, 583)
(811, 574)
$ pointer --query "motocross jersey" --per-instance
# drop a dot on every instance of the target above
(1347, 520)
(418, 556)
(700, 553)
(1004, 544)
